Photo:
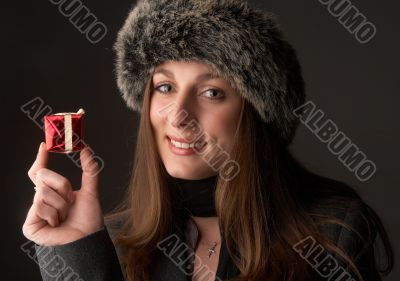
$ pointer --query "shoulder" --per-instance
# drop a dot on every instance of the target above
(349, 227)
(341, 214)
(338, 210)
(114, 224)
(350, 224)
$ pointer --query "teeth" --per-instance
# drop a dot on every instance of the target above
(185, 145)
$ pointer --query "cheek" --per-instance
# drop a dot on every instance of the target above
(222, 126)
(156, 119)
(159, 107)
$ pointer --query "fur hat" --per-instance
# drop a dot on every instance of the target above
(243, 44)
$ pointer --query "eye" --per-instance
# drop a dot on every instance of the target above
(214, 94)
(163, 86)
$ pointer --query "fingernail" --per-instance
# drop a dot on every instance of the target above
(42, 146)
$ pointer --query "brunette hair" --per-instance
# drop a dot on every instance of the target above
(281, 203)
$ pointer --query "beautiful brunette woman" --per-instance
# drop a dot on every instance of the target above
(215, 192)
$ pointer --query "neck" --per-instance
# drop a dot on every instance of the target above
(195, 197)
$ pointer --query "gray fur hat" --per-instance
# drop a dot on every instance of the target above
(243, 44)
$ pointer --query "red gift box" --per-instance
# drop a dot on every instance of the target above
(64, 131)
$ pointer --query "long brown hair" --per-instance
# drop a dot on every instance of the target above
(281, 203)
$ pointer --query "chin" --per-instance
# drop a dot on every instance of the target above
(184, 172)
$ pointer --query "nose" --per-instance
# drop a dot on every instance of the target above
(182, 110)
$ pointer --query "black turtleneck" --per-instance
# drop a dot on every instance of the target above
(196, 197)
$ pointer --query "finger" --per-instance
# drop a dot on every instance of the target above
(47, 213)
(40, 162)
(57, 182)
(32, 223)
(53, 199)
(90, 169)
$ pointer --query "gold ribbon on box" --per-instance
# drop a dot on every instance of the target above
(68, 132)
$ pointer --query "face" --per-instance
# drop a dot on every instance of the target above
(186, 95)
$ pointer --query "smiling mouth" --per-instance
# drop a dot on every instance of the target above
(199, 145)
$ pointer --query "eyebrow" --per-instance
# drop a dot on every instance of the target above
(201, 77)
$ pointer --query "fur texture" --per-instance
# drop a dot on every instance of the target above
(243, 44)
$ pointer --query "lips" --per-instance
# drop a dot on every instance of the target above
(183, 151)
(183, 140)
(179, 139)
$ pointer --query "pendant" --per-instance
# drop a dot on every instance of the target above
(211, 250)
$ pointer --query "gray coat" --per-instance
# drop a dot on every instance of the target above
(95, 257)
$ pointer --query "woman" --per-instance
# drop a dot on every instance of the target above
(215, 192)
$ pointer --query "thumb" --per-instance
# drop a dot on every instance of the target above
(90, 171)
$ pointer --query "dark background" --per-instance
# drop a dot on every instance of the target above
(44, 55)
